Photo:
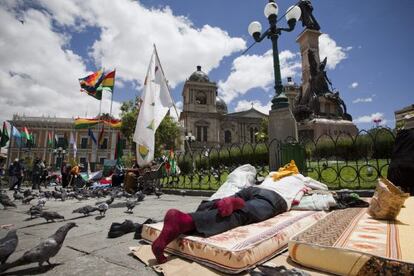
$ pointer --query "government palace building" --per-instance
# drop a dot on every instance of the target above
(204, 116)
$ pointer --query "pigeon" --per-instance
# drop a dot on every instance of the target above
(158, 193)
(27, 193)
(6, 202)
(47, 194)
(51, 216)
(27, 200)
(17, 195)
(108, 201)
(140, 196)
(102, 208)
(57, 195)
(85, 210)
(44, 251)
(7, 245)
(130, 204)
(183, 192)
(41, 202)
(35, 211)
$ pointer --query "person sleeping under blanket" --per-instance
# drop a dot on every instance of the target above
(249, 205)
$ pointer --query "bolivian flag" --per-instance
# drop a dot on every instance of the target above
(91, 84)
(108, 82)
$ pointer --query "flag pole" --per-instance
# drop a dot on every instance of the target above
(100, 106)
(10, 144)
(168, 88)
(112, 95)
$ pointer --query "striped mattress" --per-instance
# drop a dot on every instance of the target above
(240, 248)
(351, 242)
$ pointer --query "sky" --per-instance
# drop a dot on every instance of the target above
(46, 46)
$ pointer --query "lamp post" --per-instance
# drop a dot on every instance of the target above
(255, 28)
(190, 139)
(60, 152)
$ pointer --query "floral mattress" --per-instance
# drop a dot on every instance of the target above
(350, 242)
(240, 248)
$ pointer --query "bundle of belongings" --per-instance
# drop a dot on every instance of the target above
(298, 212)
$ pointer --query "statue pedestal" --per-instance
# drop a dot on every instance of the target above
(282, 125)
(313, 129)
(308, 40)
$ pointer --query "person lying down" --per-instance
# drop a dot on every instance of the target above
(238, 202)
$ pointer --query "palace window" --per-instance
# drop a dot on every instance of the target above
(84, 143)
(104, 144)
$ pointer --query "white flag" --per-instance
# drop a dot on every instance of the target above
(72, 141)
(156, 101)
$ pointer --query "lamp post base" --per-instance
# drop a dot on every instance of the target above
(282, 126)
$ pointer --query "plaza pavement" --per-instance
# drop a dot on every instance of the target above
(86, 250)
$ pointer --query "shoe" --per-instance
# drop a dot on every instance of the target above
(138, 230)
(120, 229)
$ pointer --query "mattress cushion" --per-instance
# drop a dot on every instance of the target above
(351, 242)
(240, 248)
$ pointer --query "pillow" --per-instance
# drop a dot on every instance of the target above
(387, 200)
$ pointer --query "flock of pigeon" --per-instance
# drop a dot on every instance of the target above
(51, 246)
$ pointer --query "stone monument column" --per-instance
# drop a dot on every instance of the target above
(282, 125)
(308, 40)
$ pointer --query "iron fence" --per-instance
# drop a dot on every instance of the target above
(341, 161)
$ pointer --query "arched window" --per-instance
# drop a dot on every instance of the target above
(201, 98)
(227, 137)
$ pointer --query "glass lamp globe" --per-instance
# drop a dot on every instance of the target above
(293, 12)
(271, 8)
(254, 27)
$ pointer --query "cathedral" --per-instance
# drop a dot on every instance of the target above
(206, 119)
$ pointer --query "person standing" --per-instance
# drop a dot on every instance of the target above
(36, 174)
(65, 174)
(17, 175)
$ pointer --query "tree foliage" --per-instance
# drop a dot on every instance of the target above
(262, 135)
(167, 135)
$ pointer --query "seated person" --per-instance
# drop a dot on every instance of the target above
(249, 205)
(118, 176)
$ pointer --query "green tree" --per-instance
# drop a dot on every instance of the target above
(262, 135)
(167, 135)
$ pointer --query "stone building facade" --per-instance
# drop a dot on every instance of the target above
(61, 128)
(404, 118)
(206, 117)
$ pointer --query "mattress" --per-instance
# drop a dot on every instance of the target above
(240, 248)
(351, 242)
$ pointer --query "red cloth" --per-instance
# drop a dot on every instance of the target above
(226, 206)
(175, 224)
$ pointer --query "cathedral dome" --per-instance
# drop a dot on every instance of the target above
(199, 76)
(221, 105)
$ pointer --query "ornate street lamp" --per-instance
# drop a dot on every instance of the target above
(190, 139)
(60, 152)
(255, 28)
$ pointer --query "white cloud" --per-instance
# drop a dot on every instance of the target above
(38, 78)
(179, 108)
(246, 105)
(256, 71)
(39, 71)
(328, 48)
(127, 38)
(354, 85)
(371, 118)
(362, 100)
